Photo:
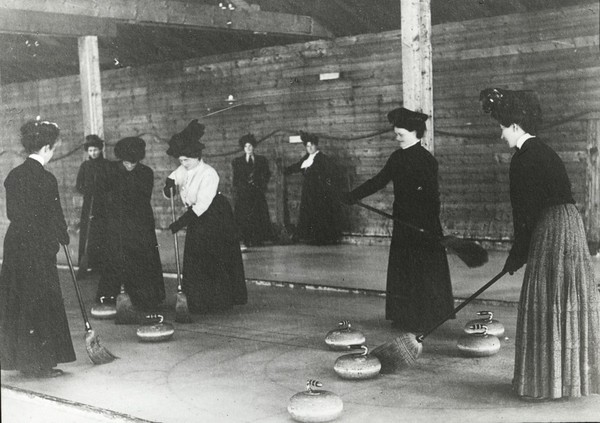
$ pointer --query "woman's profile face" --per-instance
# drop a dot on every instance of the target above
(93, 152)
(311, 148)
(248, 148)
(189, 162)
(129, 165)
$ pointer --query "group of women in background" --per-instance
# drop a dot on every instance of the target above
(557, 352)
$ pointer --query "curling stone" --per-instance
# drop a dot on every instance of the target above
(105, 310)
(315, 405)
(341, 338)
(156, 330)
(357, 365)
(494, 327)
(476, 342)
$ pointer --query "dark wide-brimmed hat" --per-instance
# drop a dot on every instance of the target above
(93, 141)
(510, 106)
(247, 139)
(307, 137)
(130, 149)
(37, 133)
(187, 142)
(405, 118)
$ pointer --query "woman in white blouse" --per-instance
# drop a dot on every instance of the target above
(213, 271)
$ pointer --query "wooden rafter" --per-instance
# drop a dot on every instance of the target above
(159, 12)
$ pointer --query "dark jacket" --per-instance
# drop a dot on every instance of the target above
(250, 176)
(538, 179)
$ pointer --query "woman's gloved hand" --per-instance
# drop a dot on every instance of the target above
(169, 188)
(183, 221)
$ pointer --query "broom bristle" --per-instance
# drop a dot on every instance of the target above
(399, 353)
(470, 252)
(182, 313)
(126, 314)
(97, 353)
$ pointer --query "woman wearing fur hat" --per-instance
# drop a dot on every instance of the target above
(134, 258)
(213, 270)
(92, 226)
(558, 322)
(34, 332)
(320, 220)
(419, 290)
(250, 178)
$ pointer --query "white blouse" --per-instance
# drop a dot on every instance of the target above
(309, 161)
(197, 186)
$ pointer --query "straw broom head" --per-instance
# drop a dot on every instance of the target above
(182, 313)
(399, 353)
(126, 314)
(97, 353)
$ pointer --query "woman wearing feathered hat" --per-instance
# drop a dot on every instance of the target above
(320, 220)
(34, 331)
(419, 290)
(558, 320)
(134, 258)
(213, 271)
(250, 178)
(90, 178)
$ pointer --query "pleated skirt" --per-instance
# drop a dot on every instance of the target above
(557, 345)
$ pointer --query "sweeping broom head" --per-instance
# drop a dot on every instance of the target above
(399, 353)
(470, 252)
(126, 314)
(97, 353)
(182, 313)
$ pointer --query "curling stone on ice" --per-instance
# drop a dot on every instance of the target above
(494, 327)
(315, 405)
(106, 309)
(360, 365)
(344, 336)
(155, 329)
(477, 342)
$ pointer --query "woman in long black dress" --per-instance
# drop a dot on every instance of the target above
(250, 178)
(320, 220)
(34, 332)
(213, 270)
(92, 225)
(557, 341)
(419, 290)
(134, 259)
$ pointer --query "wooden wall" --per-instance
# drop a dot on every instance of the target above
(278, 93)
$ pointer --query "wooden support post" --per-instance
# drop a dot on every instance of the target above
(417, 79)
(592, 207)
(91, 92)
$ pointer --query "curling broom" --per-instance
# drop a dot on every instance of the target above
(404, 350)
(97, 353)
(182, 313)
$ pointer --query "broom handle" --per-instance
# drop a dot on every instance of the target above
(462, 305)
(395, 219)
(175, 238)
(88, 327)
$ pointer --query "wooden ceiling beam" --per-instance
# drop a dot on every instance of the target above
(56, 24)
(182, 14)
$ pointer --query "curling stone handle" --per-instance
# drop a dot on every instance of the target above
(359, 347)
(462, 305)
(160, 317)
(312, 383)
(487, 314)
(345, 324)
(102, 299)
(479, 329)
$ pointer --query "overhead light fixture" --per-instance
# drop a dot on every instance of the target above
(230, 99)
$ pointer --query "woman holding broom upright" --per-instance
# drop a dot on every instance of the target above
(419, 291)
(213, 271)
(34, 332)
(557, 344)
(133, 256)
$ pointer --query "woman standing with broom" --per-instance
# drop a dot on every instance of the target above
(557, 352)
(34, 332)
(419, 291)
(213, 271)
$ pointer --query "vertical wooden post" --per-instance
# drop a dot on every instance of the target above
(91, 92)
(417, 79)
(592, 207)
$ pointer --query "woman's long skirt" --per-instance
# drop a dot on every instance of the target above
(557, 346)
(213, 270)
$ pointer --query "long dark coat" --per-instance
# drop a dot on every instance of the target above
(251, 211)
(320, 212)
(34, 332)
(90, 178)
(133, 258)
(419, 291)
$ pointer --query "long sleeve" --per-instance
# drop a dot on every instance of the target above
(295, 168)
(376, 183)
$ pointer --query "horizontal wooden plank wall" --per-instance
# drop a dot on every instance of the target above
(278, 93)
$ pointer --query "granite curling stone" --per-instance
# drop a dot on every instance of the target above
(343, 337)
(155, 329)
(315, 405)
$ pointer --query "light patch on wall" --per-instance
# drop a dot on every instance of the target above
(328, 76)
(294, 139)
